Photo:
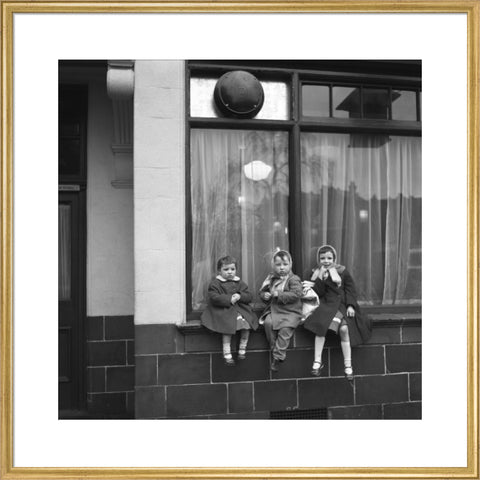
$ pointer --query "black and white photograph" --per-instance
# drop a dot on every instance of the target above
(240, 239)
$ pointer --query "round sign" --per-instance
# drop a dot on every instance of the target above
(239, 94)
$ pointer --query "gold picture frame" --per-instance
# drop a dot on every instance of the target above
(469, 7)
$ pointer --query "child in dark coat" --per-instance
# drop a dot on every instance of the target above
(228, 308)
(338, 310)
(282, 291)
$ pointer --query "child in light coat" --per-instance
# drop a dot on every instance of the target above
(228, 309)
(282, 292)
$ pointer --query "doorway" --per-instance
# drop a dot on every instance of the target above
(72, 119)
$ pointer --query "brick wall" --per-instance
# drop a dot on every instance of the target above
(110, 367)
(180, 374)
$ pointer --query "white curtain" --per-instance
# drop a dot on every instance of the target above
(362, 194)
(233, 214)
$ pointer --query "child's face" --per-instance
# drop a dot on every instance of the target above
(228, 271)
(281, 266)
(326, 259)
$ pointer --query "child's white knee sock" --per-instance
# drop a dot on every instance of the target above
(242, 346)
(347, 354)
(319, 343)
(226, 339)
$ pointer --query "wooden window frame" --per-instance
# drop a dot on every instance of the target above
(295, 125)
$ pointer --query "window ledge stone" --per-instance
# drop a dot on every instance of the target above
(192, 327)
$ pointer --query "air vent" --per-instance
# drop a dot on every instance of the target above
(312, 414)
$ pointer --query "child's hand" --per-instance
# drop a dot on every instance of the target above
(350, 311)
(275, 294)
(235, 298)
(267, 295)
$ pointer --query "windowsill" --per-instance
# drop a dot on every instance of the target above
(378, 320)
(394, 312)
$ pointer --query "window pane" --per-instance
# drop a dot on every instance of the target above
(362, 194)
(239, 201)
(346, 102)
(64, 252)
(69, 155)
(315, 101)
(376, 103)
(404, 105)
(275, 106)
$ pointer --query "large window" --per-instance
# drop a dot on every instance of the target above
(341, 164)
(362, 194)
(239, 191)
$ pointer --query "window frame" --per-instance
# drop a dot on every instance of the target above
(355, 74)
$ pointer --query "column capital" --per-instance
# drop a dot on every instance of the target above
(120, 79)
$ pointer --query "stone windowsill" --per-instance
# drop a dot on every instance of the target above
(378, 320)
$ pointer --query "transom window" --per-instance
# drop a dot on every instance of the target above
(337, 162)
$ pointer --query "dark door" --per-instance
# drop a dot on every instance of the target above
(71, 301)
(72, 168)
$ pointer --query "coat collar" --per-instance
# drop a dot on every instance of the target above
(234, 279)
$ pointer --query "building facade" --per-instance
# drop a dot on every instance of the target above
(164, 166)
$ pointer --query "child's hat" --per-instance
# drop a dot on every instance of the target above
(327, 247)
(279, 251)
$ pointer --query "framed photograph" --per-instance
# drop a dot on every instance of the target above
(240, 239)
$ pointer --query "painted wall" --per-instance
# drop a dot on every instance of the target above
(159, 191)
(110, 277)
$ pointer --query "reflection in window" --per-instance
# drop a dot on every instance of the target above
(64, 252)
(362, 194)
(239, 186)
(346, 102)
(376, 103)
(315, 101)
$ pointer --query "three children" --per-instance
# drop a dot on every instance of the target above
(228, 310)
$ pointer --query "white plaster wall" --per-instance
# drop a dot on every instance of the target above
(159, 191)
(110, 272)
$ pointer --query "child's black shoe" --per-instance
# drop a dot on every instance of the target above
(274, 365)
(349, 373)
(317, 369)
(228, 360)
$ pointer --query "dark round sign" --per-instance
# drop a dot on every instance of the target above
(239, 94)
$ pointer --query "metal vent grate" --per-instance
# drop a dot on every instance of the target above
(312, 414)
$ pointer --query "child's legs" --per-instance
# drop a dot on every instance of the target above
(270, 333)
(244, 335)
(345, 344)
(226, 340)
(319, 343)
(283, 340)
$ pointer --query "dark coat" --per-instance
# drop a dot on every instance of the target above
(335, 298)
(220, 315)
(286, 309)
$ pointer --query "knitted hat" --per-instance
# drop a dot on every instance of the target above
(326, 248)
(282, 253)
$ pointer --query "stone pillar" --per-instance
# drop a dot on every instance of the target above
(159, 192)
